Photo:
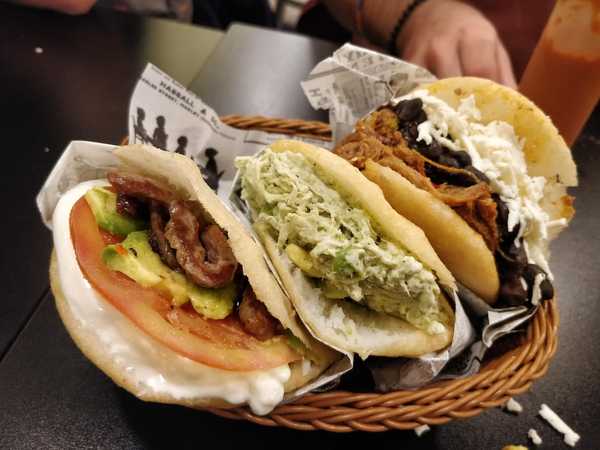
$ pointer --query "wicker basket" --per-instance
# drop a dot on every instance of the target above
(506, 374)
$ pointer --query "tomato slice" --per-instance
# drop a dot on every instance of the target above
(216, 343)
(109, 238)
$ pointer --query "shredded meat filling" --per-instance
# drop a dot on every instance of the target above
(472, 202)
(389, 136)
(210, 263)
(255, 318)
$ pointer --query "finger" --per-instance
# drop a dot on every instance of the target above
(415, 53)
(505, 69)
(478, 57)
(442, 58)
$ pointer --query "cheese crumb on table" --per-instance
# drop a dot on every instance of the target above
(422, 429)
(534, 436)
(557, 423)
(513, 406)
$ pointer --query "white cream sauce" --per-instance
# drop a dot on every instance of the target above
(155, 368)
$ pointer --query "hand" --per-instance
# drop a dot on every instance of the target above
(452, 38)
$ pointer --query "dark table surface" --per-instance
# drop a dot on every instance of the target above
(78, 88)
(256, 71)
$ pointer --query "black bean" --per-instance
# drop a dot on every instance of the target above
(408, 110)
(432, 151)
(512, 292)
(410, 132)
(463, 158)
(439, 176)
(421, 117)
(531, 271)
(478, 173)
(547, 289)
(517, 254)
(448, 160)
(502, 216)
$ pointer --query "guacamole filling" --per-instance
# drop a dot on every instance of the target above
(335, 243)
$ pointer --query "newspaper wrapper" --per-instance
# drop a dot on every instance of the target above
(354, 81)
(350, 84)
(163, 113)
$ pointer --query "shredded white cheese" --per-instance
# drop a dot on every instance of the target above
(513, 406)
(534, 436)
(536, 294)
(420, 430)
(496, 151)
(557, 423)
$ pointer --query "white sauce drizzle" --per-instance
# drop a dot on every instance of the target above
(155, 368)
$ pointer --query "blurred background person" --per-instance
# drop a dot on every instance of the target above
(486, 38)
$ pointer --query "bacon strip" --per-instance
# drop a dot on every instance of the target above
(158, 241)
(139, 186)
(211, 265)
(205, 256)
(255, 318)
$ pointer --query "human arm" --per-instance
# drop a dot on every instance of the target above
(449, 37)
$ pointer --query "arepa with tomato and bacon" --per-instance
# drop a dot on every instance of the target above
(165, 291)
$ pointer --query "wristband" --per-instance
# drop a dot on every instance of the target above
(391, 45)
(359, 21)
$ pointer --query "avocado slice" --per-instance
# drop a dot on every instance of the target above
(296, 343)
(302, 259)
(329, 290)
(135, 258)
(212, 303)
(104, 206)
(120, 258)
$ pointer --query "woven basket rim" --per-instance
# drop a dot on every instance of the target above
(509, 374)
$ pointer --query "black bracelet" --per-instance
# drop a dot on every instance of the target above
(391, 46)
